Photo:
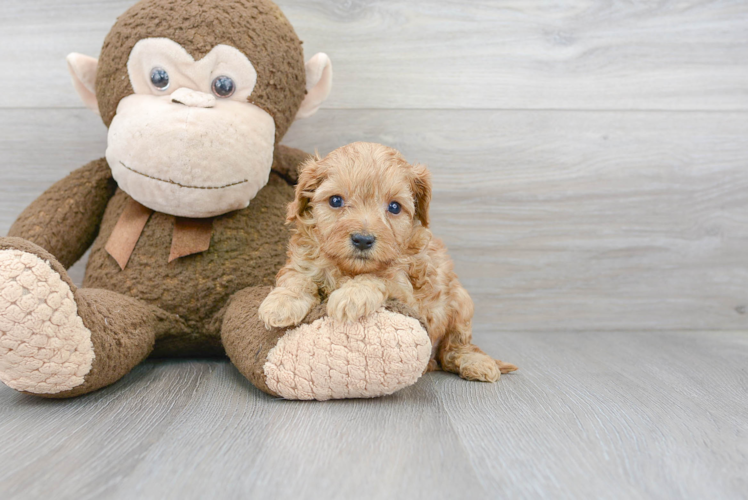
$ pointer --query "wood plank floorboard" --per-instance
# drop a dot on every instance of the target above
(589, 415)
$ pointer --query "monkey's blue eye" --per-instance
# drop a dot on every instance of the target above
(336, 201)
(160, 78)
(223, 86)
(394, 208)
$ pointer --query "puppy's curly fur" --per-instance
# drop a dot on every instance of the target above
(361, 237)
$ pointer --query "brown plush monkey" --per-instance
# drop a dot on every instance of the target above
(185, 219)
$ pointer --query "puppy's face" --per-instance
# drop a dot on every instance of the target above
(363, 203)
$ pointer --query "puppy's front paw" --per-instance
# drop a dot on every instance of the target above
(353, 302)
(283, 307)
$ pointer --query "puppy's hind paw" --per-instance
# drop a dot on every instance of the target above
(470, 363)
(506, 367)
(479, 367)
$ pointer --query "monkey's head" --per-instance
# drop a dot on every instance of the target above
(196, 95)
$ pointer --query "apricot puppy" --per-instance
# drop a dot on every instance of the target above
(361, 237)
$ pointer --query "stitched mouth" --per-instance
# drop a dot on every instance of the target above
(167, 181)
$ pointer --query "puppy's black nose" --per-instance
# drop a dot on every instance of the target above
(363, 241)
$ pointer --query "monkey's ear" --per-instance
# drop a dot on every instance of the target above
(83, 70)
(318, 84)
(420, 184)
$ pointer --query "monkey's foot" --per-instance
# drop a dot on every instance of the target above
(327, 359)
(44, 346)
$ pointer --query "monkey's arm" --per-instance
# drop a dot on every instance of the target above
(65, 219)
(286, 162)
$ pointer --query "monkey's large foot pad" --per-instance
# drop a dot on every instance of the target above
(44, 346)
(326, 359)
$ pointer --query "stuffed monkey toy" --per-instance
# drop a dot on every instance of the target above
(185, 219)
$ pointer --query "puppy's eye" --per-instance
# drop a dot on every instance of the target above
(394, 208)
(336, 201)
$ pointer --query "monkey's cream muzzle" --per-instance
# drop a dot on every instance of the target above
(189, 154)
(177, 148)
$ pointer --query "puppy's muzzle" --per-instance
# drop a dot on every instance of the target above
(363, 241)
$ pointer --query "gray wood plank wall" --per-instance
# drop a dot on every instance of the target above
(590, 158)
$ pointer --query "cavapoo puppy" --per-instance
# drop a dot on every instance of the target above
(361, 237)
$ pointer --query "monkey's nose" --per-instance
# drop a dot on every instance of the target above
(363, 241)
(193, 98)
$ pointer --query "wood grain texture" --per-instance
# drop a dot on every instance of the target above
(609, 415)
(556, 220)
(508, 54)
(597, 415)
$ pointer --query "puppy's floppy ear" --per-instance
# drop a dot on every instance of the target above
(420, 185)
(310, 177)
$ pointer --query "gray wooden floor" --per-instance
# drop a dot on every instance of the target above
(590, 162)
(590, 415)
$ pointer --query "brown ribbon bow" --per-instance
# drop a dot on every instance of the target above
(190, 235)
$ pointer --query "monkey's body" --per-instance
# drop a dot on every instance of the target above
(246, 247)
(179, 306)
